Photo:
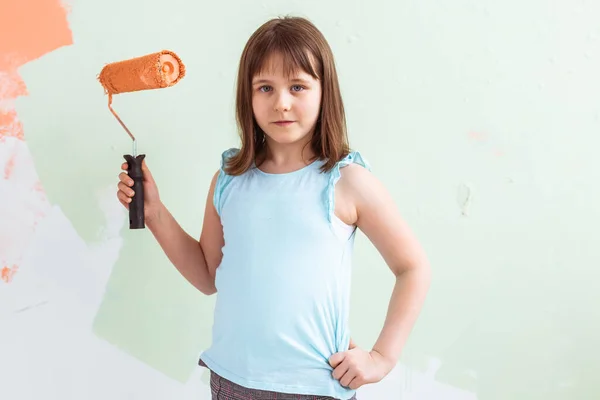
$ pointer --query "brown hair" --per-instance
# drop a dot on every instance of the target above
(303, 47)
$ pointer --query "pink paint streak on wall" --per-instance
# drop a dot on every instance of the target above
(31, 28)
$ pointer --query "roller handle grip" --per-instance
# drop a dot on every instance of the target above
(136, 207)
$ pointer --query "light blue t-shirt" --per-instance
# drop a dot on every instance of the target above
(283, 286)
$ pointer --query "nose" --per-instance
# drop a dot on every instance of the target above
(283, 102)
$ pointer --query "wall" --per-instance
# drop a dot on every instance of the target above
(491, 111)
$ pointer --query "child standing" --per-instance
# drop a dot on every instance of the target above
(278, 233)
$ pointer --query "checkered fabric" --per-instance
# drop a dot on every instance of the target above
(223, 389)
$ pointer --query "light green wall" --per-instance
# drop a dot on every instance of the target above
(481, 117)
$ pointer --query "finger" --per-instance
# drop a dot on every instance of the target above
(336, 359)
(126, 190)
(355, 383)
(124, 166)
(347, 378)
(123, 177)
(123, 198)
(340, 370)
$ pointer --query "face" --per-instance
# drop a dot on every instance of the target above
(285, 108)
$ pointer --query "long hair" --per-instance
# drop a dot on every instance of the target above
(302, 47)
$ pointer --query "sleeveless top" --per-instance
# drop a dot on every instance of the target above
(283, 285)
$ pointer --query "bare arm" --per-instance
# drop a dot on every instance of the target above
(379, 219)
(211, 238)
(196, 260)
(362, 200)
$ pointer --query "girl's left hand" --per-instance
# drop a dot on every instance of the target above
(357, 367)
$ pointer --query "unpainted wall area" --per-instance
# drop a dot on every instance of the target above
(481, 118)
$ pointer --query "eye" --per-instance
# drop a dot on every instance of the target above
(298, 88)
(264, 87)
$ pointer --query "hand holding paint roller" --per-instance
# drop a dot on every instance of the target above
(152, 71)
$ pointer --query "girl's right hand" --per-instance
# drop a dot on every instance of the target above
(152, 201)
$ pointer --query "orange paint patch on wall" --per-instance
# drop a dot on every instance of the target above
(9, 167)
(35, 27)
(7, 273)
(10, 126)
(12, 84)
(30, 29)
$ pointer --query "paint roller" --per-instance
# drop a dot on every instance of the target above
(152, 71)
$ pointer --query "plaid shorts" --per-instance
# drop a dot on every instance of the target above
(223, 389)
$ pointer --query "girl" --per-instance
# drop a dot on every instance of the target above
(278, 232)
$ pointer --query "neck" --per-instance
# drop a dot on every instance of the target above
(292, 154)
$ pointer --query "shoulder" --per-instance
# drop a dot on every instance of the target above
(227, 155)
(358, 181)
(355, 175)
(224, 159)
(354, 171)
(221, 180)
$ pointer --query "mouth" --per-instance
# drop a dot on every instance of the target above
(283, 123)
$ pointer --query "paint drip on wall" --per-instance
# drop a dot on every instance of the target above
(35, 27)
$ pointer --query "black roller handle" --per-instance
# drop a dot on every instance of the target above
(136, 207)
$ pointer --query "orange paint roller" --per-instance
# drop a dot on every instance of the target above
(152, 71)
